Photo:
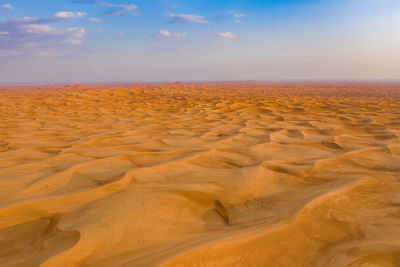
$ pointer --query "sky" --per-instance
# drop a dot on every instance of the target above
(107, 41)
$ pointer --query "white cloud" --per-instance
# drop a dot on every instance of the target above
(228, 36)
(31, 36)
(69, 14)
(186, 18)
(166, 33)
(93, 19)
(8, 6)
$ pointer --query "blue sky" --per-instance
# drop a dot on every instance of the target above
(63, 41)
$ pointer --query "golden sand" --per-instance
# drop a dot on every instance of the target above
(244, 174)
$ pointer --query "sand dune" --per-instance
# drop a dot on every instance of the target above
(213, 174)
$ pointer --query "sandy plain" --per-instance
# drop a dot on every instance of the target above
(213, 174)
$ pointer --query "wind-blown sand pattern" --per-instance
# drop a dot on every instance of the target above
(243, 174)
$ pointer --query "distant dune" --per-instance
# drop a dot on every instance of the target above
(200, 174)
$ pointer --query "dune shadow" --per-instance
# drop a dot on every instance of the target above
(32, 243)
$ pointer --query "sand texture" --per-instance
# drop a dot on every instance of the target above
(213, 174)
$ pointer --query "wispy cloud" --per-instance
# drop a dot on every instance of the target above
(94, 19)
(228, 36)
(126, 9)
(39, 29)
(69, 14)
(168, 34)
(121, 9)
(236, 16)
(8, 6)
(186, 18)
(70, 36)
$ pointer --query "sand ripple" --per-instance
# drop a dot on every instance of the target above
(244, 174)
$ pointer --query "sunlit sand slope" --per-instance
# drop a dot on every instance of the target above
(244, 174)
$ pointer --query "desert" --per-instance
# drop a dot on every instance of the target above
(200, 174)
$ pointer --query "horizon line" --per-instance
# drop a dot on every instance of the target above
(203, 81)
